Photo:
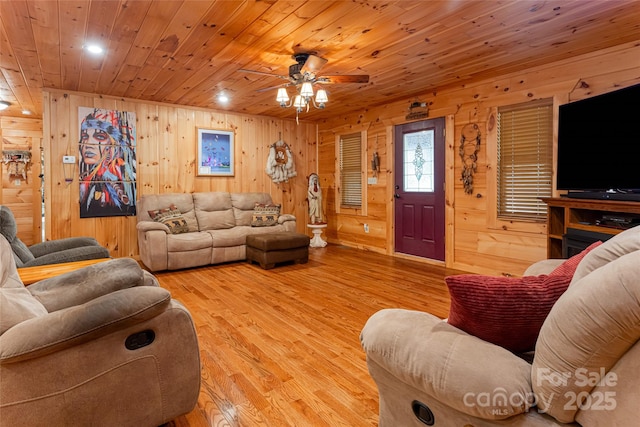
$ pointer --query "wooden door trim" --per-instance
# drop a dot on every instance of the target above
(449, 189)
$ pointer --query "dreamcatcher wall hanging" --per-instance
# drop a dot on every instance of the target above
(469, 147)
(280, 164)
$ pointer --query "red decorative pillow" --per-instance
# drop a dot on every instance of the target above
(505, 311)
(568, 267)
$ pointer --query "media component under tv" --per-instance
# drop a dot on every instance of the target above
(599, 146)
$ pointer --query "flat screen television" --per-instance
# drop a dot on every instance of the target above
(599, 146)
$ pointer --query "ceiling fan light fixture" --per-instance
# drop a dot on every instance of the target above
(303, 75)
(4, 105)
(282, 97)
(307, 90)
(321, 97)
(299, 103)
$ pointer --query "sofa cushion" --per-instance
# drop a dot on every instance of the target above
(8, 226)
(17, 306)
(506, 311)
(568, 267)
(244, 204)
(171, 217)
(235, 236)
(9, 230)
(591, 326)
(16, 302)
(621, 244)
(21, 252)
(188, 241)
(425, 354)
(214, 210)
(85, 284)
(544, 266)
(182, 201)
(265, 215)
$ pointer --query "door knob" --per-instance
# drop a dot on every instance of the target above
(397, 196)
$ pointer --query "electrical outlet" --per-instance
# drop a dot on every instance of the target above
(68, 159)
(366, 228)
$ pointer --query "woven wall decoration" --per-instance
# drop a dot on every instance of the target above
(469, 148)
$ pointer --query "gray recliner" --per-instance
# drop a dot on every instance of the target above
(49, 252)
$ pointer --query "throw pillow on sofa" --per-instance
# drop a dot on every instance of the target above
(568, 268)
(265, 215)
(505, 311)
(172, 218)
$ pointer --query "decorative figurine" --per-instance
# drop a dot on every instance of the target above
(314, 196)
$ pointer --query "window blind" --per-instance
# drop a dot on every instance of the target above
(525, 157)
(351, 170)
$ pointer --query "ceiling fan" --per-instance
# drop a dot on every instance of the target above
(304, 75)
(306, 69)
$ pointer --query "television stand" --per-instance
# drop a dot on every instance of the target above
(603, 195)
(596, 216)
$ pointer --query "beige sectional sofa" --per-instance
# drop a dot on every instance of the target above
(217, 225)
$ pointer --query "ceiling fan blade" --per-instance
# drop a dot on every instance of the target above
(264, 74)
(313, 64)
(273, 87)
(350, 78)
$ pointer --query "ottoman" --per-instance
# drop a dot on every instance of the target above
(272, 248)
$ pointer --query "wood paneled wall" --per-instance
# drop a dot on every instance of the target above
(475, 240)
(22, 196)
(166, 152)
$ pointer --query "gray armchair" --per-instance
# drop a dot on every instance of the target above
(50, 252)
(100, 346)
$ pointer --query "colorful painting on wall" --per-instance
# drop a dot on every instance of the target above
(107, 162)
(215, 152)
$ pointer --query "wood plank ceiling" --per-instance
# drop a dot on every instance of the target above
(188, 52)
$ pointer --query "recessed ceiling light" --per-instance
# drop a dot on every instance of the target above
(223, 98)
(94, 48)
(26, 112)
(4, 105)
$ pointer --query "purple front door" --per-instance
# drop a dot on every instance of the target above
(419, 189)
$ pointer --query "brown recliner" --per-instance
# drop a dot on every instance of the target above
(100, 346)
(584, 371)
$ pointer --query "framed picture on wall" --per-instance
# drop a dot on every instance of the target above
(215, 152)
(107, 162)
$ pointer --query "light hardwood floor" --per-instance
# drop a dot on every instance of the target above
(281, 347)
